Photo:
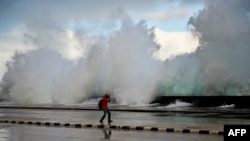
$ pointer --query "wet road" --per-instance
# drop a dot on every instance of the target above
(195, 120)
(15, 132)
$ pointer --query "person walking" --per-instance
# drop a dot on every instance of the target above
(105, 101)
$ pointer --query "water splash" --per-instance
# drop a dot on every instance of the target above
(123, 66)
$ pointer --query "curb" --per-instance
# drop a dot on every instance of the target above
(121, 127)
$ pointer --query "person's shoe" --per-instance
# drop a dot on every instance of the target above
(101, 122)
(110, 121)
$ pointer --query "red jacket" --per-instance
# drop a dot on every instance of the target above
(105, 101)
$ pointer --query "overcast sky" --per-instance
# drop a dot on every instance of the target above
(19, 18)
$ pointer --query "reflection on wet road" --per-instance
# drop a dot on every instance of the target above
(33, 133)
(15, 132)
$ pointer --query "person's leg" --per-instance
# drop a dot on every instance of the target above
(109, 115)
(104, 115)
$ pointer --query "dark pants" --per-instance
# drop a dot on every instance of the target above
(105, 111)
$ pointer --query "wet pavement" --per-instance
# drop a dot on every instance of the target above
(211, 121)
(205, 121)
(13, 132)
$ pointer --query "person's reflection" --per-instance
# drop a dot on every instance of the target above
(107, 134)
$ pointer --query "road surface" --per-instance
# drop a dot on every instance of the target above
(17, 132)
(14, 132)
